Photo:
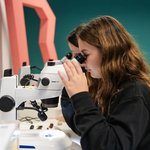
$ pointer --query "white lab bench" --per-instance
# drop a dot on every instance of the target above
(29, 127)
(29, 121)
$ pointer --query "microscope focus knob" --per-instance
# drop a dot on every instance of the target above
(45, 81)
(7, 103)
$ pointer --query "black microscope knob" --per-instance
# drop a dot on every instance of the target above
(45, 81)
(7, 103)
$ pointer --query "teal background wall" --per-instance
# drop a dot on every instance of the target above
(133, 14)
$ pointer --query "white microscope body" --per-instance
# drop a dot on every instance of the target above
(12, 94)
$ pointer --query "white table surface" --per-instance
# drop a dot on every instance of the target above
(54, 115)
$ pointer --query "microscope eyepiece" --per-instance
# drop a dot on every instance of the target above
(80, 58)
(69, 55)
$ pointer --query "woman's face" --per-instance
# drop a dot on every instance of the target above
(74, 49)
(93, 61)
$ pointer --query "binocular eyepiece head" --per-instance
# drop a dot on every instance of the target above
(79, 57)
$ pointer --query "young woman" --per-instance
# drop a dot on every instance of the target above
(112, 112)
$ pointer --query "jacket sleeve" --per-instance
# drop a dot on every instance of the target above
(68, 111)
(122, 130)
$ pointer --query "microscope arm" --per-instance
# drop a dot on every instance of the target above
(12, 94)
(49, 86)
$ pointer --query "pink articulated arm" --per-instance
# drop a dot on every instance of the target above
(17, 32)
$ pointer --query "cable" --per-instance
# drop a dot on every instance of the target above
(41, 113)
(25, 81)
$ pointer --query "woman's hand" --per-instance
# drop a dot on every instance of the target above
(76, 81)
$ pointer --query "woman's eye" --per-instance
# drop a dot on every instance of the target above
(86, 55)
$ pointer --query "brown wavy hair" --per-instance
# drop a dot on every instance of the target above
(121, 58)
